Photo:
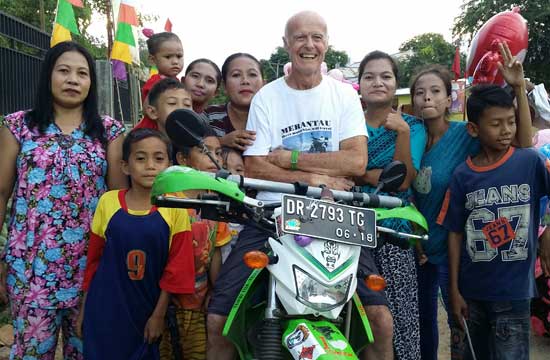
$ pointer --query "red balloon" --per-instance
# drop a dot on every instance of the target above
(507, 26)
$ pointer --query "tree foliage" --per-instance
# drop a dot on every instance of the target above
(423, 50)
(29, 12)
(273, 67)
(537, 13)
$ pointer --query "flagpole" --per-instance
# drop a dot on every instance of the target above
(119, 102)
(42, 16)
(111, 17)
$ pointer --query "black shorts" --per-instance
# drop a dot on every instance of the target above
(234, 273)
(368, 296)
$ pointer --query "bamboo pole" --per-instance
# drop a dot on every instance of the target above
(42, 16)
(110, 17)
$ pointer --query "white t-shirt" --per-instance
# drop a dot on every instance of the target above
(314, 120)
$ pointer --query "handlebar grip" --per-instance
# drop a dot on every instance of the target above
(371, 200)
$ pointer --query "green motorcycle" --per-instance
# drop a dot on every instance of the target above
(309, 266)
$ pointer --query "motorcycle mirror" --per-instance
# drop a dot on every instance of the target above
(392, 177)
(185, 128)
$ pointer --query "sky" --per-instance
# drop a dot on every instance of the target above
(215, 29)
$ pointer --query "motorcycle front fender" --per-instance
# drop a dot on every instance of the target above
(300, 336)
(320, 340)
(306, 339)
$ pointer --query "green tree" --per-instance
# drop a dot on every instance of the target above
(273, 67)
(537, 13)
(422, 50)
(335, 58)
(29, 11)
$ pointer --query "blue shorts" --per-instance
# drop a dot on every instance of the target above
(498, 329)
(234, 273)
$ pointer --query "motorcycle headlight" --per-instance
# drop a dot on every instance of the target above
(317, 295)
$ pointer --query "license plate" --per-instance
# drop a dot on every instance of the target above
(328, 220)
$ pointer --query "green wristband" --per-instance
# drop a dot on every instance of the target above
(294, 160)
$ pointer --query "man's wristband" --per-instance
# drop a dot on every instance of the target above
(294, 159)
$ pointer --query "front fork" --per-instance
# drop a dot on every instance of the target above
(271, 310)
(270, 338)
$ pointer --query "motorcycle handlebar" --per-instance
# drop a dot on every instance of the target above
(371, 200)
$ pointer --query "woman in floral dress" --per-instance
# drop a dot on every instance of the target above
(57, 159)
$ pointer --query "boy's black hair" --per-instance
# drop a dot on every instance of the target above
(203, 132)
(154, 42)
(139, 134)
(209, 62)
(41, 115)
(377, 55)
(485, 96)
(160, 87)
(229, 60)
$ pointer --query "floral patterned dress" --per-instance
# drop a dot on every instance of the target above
(59, 180)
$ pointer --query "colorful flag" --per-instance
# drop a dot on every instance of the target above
(168, 25)
(456, 64)
(65, 21)
(124, 38)
(127, 13)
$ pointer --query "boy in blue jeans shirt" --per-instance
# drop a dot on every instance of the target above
(491, 211)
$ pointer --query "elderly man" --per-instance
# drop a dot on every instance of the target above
(288, 116)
